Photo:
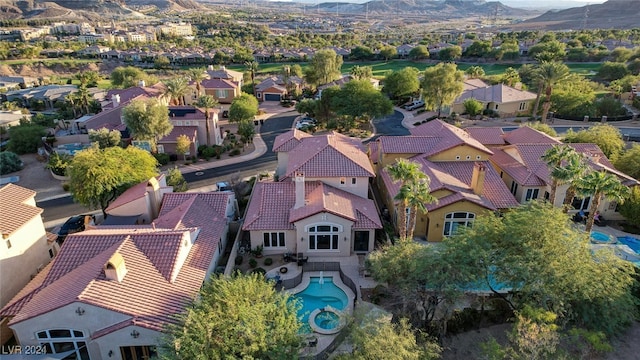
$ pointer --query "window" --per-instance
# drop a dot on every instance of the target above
(353, 181)
(187, 123)
(532, 194)
(514, 187)
(62, 340)
(138, 352)
(343, 181)
(273, 239)
(580, 204)
(501, 173)
(221, 93)
(51, 253)
(523, 106)
(160, 149)
(8, 242)
(546, 195)
(456, 219)
(323, 237)
(496, 106)
(177, 122)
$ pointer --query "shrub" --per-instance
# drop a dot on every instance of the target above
(9, 162)
(234, 152)
(208, 152)
(268, 261)
(163, 159)
(201, 149)
(66, 186)
(239, 260)
(173, 157)
(259, 271)
(253, 262)
(58, 163)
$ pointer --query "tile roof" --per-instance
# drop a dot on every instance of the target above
(329, 155)
(218, 83)
(449, 136)
(110, 118)
(189, 131)
(186, 112)
(408, 144)
(154, 289)
(135, 192)
(128, 94)
(487, 135)
(287, 141)
(517, 168)
(528, 135)
(499, 93)
(455, 176)
(470, 84)
(14, 210)
(271, 206)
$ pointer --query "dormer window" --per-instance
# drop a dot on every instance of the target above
(115, 269)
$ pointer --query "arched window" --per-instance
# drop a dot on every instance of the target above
(324, 237)
(456, 219)
(58, 341)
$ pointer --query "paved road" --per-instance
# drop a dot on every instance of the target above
(389, 125)
(64, 207)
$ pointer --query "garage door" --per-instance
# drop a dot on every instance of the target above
(272, 97)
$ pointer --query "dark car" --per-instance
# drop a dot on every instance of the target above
(73, 225)
(225, 114)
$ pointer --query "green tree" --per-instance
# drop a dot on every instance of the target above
(25, 138)
(441, 85)
(419, 52)
(207, 102)
(88, 78)
(472, 107)
(197, 75)
(124, 77)
(574, 96)
(607, 137)
(599, 185)
(183, 145)
(244, 107)
(147, 120)
(176, 180)
(510, 77)
(609, 106)
(243, 317)
(416, 194)
(105, 138)
(479, 49)
(610, 71)
(474, 72)
(379, 338)
(554, 157)
(162, 62)
(252, 68)
(58, 163)
(361, 72)
(98, 176)
(535, 334)
(360, 53)
(388, 52)
(402, 83)
(307, 106)
(630, 209)
(549, 51)
(634, 66)
(549, 74)
(247, 130)
(324, 67)
(450, 53)
(358, 98)
(176, 89)
(9, 162)
(629, 161)
(621, 54)
(407, 173)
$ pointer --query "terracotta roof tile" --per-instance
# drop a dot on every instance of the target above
(487, 135)
(516, 169)
(528, 135)
(408, 144)
(330, 155)
(449, 135)
(218, 84)
(289, 140)
(133, 193)
(177, 131)
(15, 210)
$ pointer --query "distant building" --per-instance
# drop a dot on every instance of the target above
(179, 29)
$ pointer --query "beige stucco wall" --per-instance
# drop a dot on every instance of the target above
(431, 226)
(302, 236)
(140, 206)
(283, 160)
(257, 238)
(361, 188)
(387, 159)
(465, 152)
(29, 251)
(504, 109)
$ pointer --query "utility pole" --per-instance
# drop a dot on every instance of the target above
(586, 17)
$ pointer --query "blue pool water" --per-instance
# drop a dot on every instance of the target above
(631, 242)
(599, 237)
(317, 296)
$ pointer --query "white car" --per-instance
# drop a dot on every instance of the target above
(415, 105)
(306, 121)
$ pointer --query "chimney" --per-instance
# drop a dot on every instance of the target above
(115, 100)
(88, 222)
(210, 68)
(299, 180)
(114, 269)
(141, 83)
(477, 178)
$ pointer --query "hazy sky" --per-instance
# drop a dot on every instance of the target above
(505, 1)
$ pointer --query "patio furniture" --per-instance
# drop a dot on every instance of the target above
(301, 259)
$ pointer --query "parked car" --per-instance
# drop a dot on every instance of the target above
(416, 104)
(73, 224)
(305, 122)
(223, 186)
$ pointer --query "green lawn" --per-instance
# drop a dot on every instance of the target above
(49, 61)
(380, 68)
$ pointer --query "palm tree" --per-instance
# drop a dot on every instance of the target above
(87, 77)
(549, 74)
(207, 102)
(83, 97)
(406, 172)
(601, 184)
(474, 72)
(571, 173)
(197, 75)
(418, 194)
(252, 68)
(176, 89)
(554, 158)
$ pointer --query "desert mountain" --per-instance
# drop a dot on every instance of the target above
(618, 14)
(88, 9)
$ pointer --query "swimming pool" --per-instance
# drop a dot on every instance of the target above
(631, 242)
(321, 294)
(599, 237)
(72, 148)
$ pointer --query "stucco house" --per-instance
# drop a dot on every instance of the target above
(142, 200)
(319, 206)
(504, 100)
(462, 179)
(275, 88)
(111, 290)
(223, 90)
(518, 161)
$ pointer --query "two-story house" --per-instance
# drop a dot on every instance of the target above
(461, 177)
(112, 290)
(319, 206)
